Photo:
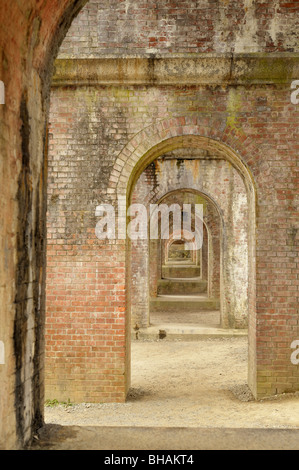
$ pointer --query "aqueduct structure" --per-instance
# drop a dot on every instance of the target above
(148, 101)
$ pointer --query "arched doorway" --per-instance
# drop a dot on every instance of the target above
(195, 141)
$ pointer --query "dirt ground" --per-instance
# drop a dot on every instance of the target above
(189, 384)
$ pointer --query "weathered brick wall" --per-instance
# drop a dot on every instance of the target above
(29, 39)
(85, 283)
(256, 121)
(149, 27)
(210, 252)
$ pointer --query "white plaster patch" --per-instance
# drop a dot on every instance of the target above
(274, 28)
(295, 355)
(2, 353)
(246, 40)
(2, 93)
(295, 94)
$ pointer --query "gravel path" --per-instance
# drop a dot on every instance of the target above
(189, 384)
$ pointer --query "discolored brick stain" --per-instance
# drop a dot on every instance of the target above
(91, 144)
(24, 240)
(71, 10)
(39, 294)
(31, 250)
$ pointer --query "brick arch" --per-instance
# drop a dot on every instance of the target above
(170, 134)
(216, 264)
(213, 284)
(159, 198)
(172, 240)
(213, 235)
(235, 148)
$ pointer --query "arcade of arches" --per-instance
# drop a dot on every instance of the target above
(146, 104)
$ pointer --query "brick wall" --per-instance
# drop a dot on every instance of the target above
(108, 129)
(29, 39)
(113, 27)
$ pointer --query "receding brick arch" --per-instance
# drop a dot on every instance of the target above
(182, 132)
(168, 135)
(196, 255)
(186, 236)
(216, 263)
(214, 233)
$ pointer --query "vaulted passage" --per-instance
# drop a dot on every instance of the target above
(212, 276)
(148, 103)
